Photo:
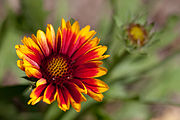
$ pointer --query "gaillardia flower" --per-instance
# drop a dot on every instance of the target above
(137, 34)
(65, 65)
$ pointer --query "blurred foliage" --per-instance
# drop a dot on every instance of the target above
(137, 78)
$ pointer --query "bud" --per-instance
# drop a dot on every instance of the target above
(137, 34)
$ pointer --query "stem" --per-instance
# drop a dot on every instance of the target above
(145, 71)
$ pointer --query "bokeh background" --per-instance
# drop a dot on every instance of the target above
(144, 83)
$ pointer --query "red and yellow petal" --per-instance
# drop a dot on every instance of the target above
(79, 84)
(24, 52)
(90, 72)
(59, 40)
(20, 65)
(82, 39)
(64, 32)
(75, 27)
(84, 32)
(82, 36)
(75, 105)
(32, 45)
(42, 42)
(26, 63)
(50, 35)
(93, 54)
(41, 81)
(38, 91)
(75, 96)
(95, 85)
(101, 57)
(63, 24)
(85, 48)
(67, 36)
(49, 94)
(90, 64)
(33, 72)
(96, 96)
(63, 98)
(74, 91)
(33, 101)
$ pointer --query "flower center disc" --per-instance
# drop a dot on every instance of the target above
(56, 68)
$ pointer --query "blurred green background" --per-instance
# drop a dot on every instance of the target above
(144, 82)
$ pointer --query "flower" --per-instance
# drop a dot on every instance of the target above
(137, 34)
(65, 65)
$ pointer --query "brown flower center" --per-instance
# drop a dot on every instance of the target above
(56, 68)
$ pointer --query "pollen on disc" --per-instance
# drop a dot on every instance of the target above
(56, 68)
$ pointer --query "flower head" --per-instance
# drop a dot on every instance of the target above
(65, 65)
(137, 34)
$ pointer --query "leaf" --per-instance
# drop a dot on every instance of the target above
(53, 112)
(8, 92)
(125, 10)
(30, 79)
(130, 110)
(116, 91)
(133, 65)
(164, 83)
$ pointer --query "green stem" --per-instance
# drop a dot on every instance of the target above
(145, 71)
